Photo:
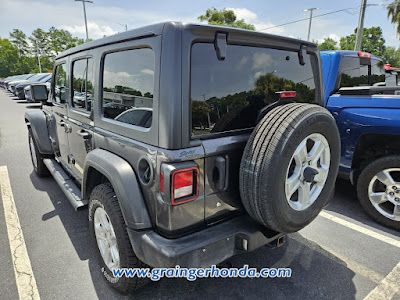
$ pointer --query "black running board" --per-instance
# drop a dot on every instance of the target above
(66, 183)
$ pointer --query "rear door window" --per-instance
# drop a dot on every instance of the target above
(82, 84)
(228, 94)
(128, 86)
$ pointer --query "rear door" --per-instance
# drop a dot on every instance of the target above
(79, 115)
(227, 96)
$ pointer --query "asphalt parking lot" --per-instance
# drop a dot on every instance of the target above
(342, 254)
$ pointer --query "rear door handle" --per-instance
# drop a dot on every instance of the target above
(61, 123)
(84, 134)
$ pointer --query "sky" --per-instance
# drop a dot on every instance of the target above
(107, 17)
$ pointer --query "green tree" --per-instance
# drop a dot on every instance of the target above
(372, 41)
(328, 44)
(61, 40)
(391, 56)
(19, 39)
(39, 39)
(200, 111)
(9, 58)
(224, 17)
(393, 13)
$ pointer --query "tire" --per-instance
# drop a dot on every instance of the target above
(36, 157)
(383, 213)
(269, 164)
(104, 198)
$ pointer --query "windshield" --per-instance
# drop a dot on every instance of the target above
(35, 77)
(45, 78)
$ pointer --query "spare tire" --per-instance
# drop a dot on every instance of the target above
(289, 166)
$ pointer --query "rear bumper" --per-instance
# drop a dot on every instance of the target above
(204, 248)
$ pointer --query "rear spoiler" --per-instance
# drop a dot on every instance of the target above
(369, 90)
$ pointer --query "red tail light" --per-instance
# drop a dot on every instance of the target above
(287, 94)
(184, 185)
(364, 54)
(161, 182)
(387, 67)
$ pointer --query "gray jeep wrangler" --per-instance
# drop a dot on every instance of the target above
(189, 144)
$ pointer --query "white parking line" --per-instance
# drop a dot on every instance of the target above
(388, 286)
(25, 280)
(361, 229)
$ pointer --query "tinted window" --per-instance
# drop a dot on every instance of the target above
(82, 84)
(228, 95)
(353, 73)
(377, 71)
(60, 88)
(128, 85)
(135, 116)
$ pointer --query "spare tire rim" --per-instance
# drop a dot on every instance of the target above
(384, 193)
(307, 171)
(106, 239)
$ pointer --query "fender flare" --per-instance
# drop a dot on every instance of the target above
(124, 181)
(36, 121)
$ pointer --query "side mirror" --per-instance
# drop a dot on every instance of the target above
(39, 92)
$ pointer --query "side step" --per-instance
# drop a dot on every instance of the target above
(66, 183)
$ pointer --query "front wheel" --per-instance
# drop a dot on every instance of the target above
(378, 189)
(37, 158)
(111, 239)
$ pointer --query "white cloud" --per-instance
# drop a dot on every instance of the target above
(251, 17)
(147, 72)
(261, 61)
(332, 36)
(246, 14)
(96, 31)
(112, 79)
(242, 63)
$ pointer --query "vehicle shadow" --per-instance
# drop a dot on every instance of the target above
(74, 222)
(22, 101)
(345, 202)
(312, 266)
(77, 227)
(33, 106)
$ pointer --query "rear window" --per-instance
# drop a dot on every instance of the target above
(227, 95)
(355, 72)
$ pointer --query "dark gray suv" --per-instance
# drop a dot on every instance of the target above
(189, 143)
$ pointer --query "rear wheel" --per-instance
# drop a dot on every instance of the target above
(289, 166)
(378, 189)
(111, 239)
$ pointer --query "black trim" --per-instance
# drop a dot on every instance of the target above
(203, 248)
